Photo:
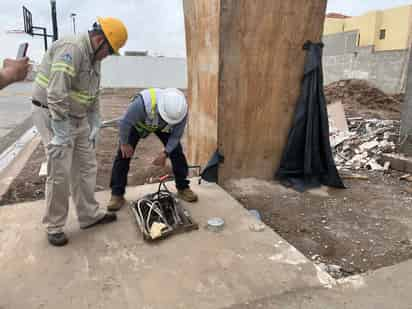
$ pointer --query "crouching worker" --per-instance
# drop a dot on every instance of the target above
(164, 113)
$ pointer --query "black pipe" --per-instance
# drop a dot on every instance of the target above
(45, 38)
(44, 35)
(54, 20)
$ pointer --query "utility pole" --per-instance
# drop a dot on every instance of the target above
(54, 20)
(73, 16)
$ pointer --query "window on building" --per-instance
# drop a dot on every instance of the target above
(382, 34)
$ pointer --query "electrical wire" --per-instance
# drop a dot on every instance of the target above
(156, 203)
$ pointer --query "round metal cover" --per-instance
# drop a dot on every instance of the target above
(215, 224)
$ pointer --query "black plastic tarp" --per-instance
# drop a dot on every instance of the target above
(210, 172)
(307, 159)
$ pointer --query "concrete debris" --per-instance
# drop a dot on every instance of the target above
(403, 177)
(399, 162)
(365, 142)
(43, 169)
(407, 177)
(335, 271)
(368, 146)
(337, 118)
(315, 257)
(373, 165)
(257, 227)
(339, 131)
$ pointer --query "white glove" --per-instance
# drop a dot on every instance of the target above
(60, 139)
(55, 151)
(61, 132)
(94, 123)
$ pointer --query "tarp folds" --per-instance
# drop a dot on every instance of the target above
(307, 159)
(211, 170)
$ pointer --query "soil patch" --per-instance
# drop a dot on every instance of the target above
(364, 227)
(360, 98)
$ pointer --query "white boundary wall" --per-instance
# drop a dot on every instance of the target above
(144, 72)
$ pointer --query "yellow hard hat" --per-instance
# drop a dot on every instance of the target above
(114, 30)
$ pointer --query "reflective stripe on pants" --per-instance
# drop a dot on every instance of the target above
(74, 171)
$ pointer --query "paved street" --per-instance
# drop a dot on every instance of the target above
(14, 106)
(15, 110)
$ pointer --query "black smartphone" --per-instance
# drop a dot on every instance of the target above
(22, 52)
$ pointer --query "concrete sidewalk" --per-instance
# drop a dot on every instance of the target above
(111, 267)
(386, 288)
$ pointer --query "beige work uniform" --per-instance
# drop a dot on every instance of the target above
(67, 83)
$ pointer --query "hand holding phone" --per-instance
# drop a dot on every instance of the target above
(22, 51)
(15, 69)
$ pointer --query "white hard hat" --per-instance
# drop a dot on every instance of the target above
(172, 105)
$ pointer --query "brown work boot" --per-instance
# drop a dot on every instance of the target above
(115, 203)
(187, 195)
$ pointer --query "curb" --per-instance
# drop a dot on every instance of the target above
(9, 173)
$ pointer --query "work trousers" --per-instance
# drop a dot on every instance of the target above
(121, 165)
(74, 171)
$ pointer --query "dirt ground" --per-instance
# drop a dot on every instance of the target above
(29, 186)
(360, 98)
(364, 227)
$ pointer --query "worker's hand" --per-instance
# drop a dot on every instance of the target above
(127, 151)
(95, 124)
(160, 160)
(61, 132)
(55, 151)
(94, 136)
(16, 70)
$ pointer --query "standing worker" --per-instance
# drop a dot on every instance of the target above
(66, 113)
(164, 113)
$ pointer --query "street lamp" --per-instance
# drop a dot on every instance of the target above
(73, 16)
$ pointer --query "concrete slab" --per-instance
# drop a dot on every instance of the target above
(337, 117)
(386, 288)
(111, 267)
(398, 162)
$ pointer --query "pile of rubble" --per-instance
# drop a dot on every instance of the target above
(363, 144)
(359, 93)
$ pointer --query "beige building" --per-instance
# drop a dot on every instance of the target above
(385, 30)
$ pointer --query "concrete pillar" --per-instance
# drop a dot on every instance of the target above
(245, 64)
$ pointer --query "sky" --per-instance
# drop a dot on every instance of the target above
(153, 25)
(359, 7)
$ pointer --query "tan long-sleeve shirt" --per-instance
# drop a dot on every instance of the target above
(67, 80)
